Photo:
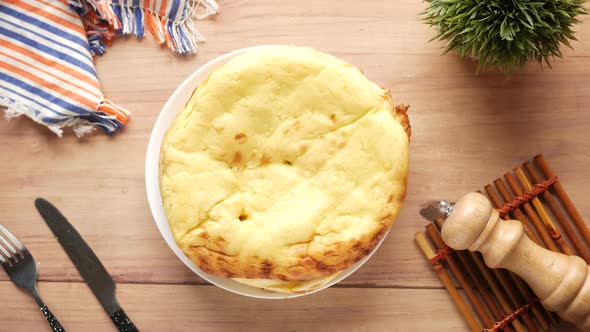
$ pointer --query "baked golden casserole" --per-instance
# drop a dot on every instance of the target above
(285, 167)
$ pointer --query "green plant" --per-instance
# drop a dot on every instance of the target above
(506, 34)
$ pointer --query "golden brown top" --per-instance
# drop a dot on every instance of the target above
(285, 164)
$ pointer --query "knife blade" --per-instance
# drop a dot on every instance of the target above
(91, 269)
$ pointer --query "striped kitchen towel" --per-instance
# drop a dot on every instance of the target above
(169, 21)
(46, 69)
(46, 54)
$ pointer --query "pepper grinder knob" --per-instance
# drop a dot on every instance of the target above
(561, 282)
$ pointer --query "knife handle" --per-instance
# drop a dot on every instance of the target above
(53, 322)
(122, 321)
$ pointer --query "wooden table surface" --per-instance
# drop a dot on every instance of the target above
(467, 130)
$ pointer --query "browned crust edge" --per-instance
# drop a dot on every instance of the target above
(218, 263)
(401, 113)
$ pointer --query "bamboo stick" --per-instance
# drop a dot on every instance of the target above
(444, 278)
(516, 289)
(538, 310)
(452, 264)
(507, 283)
(527, 295)
(504, 296)
(494, 199)
(563, 246)
(488, 297)
(564, 198)
(467, 258)
(525, 292)
(558, 213)
(484, 286)
(508, 197)
(539, 226)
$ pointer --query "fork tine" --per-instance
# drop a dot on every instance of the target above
(12, 238)
(8, 246)
(11, 259)
(6, 243)
(2, 260)
(7, 256)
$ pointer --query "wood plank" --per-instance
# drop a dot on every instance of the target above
(467, 130)
(207, 308)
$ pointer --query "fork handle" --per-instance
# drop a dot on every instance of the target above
(123, 322)
(53, 322)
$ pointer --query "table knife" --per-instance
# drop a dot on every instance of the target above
(89, 266)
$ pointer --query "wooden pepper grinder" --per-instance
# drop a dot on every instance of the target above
(561, 282)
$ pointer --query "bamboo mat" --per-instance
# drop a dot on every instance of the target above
(496, 299)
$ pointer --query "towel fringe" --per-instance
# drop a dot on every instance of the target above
(16, 109)
(104, 18)
(108, 116)
(111, 109)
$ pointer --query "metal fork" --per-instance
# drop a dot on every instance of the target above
(22, 269)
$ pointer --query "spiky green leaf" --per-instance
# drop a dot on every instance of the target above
(506, 34)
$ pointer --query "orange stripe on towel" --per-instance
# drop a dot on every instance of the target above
(52, 86)
(61, 10)
(153, 26)
(56, 19)
(49, 62)
(49, 73)
(106, 106)
(163, 6)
